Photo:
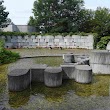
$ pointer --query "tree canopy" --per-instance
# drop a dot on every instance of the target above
(4, 21)
(65, 16)
(57, 15)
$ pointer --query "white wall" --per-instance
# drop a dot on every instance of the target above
(74, 41)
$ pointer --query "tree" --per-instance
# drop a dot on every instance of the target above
(57, 15)
(102, 20)
(4, 21)
(88, 22)
(31, 21)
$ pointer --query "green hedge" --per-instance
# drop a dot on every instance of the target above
(16, 33)
(103, 42)
(1, 45)
(7, 56)
(35, 33)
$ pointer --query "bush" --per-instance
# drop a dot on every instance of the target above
(1, 45)
(7, 56)
(103, 42)
(17, 33)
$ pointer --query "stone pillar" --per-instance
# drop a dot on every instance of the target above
(37, 72)
(53, 76)
(18, 79)
(83, 74)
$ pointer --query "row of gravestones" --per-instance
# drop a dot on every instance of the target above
(74, 41)
(81, 72)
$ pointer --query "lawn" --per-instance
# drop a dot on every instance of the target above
(50, 61)
(46, 51)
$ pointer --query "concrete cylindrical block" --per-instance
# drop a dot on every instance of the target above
(68, 58)
(53, 76)
(68, 71)
(83, 74)
(100, 69)
(18, 79)
(100, 57)
(37, 72)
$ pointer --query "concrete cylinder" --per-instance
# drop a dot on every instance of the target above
(68, 58)
(53, 76)
(18, 79)
(100, 62)
(83, 74)
(37, 72)
(100, 69)
(100, 57)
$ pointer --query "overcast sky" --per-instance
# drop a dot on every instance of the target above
(21, 10)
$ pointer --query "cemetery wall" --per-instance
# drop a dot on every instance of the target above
(74, 41)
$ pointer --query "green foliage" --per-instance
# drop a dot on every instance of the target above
(7, 56)
(102, 21)
(103, 42)
(50, 61)
(4, 21)
(1, 45)
(57, 16)
(31, 21)
(96, 39)
(17, 33)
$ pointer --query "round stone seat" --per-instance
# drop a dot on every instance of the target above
(83, 74)
(18, 79)
(37, 72)
(53, 76)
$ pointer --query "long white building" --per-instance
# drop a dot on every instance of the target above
(18, 28)
(74, 41)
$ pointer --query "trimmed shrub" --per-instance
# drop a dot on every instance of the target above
(1, 45)
(7, 56)
(17, 33)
